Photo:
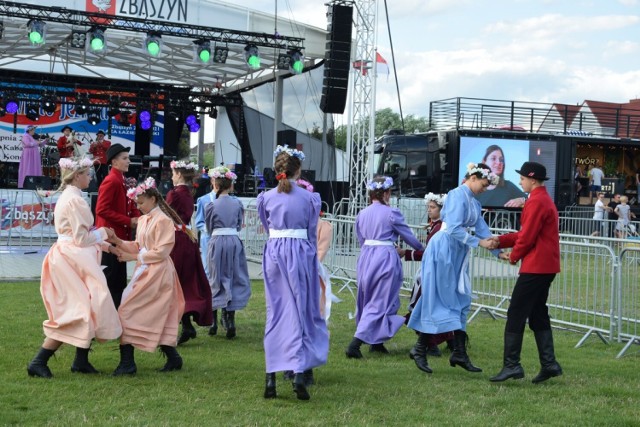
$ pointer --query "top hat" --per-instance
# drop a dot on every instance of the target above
(114, 150)
(533, 170)
(67, 127)
(100, 132)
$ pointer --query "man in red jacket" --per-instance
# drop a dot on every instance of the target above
(537, 244)
(115, 210)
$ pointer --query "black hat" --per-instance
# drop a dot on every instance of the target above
(67, 127)
(533, 170)
(100, 132)
(114, 150)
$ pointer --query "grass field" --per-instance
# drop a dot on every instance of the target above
(223, 380)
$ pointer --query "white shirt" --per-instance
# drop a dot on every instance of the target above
(598, 210)
(596, 175)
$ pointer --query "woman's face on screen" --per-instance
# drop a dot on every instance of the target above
(495, 160)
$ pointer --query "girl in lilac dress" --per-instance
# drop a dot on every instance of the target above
(296, 337)
(228, 272)
(30, 163)
(379, 269)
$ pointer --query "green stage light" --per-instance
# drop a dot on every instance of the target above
(153, 43)
(297, 62)
(96, 39)
(36, 31)
(252, 56)
(202, 51)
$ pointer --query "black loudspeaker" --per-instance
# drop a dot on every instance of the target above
(309, 175)
(37, 182)
(287, 137)
(337, 60)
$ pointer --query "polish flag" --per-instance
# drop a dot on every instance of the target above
(382, 68)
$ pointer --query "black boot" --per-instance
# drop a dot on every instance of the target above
(223, 318)
(300, 388)
(270, 386)
(213, 330)
(353, 351)
(127, 365)
(420, 357)
(38, 366)
(378, 348)
(550, 367)
(433, 350)
(459, 356)
(309, 380)
(231, 324)
(451, 344)
(188, 331)
(412, 353)
(174, 361)
(81, 362)
(511, 367)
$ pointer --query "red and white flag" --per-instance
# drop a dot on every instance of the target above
(382, 68)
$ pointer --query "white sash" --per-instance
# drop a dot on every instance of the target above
(371, 242)
(224, 232)
(64, 238)
(292, 233)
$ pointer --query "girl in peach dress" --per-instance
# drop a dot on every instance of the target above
(73, 286)
(153, 303)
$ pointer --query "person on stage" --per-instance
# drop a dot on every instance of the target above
(30, 161)
(114, 210)
(186, 255)
(73, 287)
(66, 143)
(98, 149)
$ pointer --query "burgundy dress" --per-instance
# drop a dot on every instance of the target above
(186, 258)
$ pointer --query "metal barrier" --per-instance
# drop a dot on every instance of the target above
(628, 297)
(26, 221)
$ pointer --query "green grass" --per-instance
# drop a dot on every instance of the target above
(222, 380)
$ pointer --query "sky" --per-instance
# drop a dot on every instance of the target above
(563, 51)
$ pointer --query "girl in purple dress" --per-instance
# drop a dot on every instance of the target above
(30, 163)
(228, 273)
(379, 269)
(296, 337)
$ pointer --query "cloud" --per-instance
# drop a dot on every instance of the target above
(553, 25)
(629, 3)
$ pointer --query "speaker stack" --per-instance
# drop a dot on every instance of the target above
(337, 59)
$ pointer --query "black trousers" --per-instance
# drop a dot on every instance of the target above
(101, 172)
(116, 274)
(529, 301)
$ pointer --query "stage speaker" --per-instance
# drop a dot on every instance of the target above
(37, 182)
(337, 59)
(287, 137)
(309, 175)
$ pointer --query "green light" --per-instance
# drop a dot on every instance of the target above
(97, 43)
(35, 37)
(205, 55)
(254, 62)
(153, 47)
(298, 66)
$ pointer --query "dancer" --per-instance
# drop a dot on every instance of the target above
(379, 269)
(296, 337)
(537, 244)
(73, 287)
(446, 285)
(152, 303)
(201, 225)
(99, 150)
(185, 253)
(228, 272)
(30, 162)
(434, 206)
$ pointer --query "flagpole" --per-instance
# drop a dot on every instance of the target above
(372, 120)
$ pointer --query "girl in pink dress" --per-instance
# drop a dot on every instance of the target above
(73, 287)
(152, 304)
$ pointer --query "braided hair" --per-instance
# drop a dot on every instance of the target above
(378, 194)
(223, 184)
(286, 167)
(164, 207)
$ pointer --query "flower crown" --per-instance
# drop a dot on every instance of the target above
(290, 151)
(222, 172)
(438, 199)
(181, 164)
(376, 185)
(305, 184)
(148, 183)
(71, 164)
(472, 169)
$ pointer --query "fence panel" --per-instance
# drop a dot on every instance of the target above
(628, 300)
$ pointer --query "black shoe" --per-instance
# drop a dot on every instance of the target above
(188, 331)
(378, 348)
(223, 318)
(547, 372)
(231, 324)
(81, 362)
(420, 357)
(353, 351)
(127, 365)
(270, 386)
(38, 366)
(550, 367)
(213, 330)
(174, 361)
(511, 367)
(299, 388)
(434, 351)
(309, 380)
(412, 353)
(459, 356)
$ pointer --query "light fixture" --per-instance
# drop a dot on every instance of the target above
(11, 103)
(93, 117)
(220, 54)
(49, 103)
(82, 104)
(193, 122)
(37, 32)
(284, 59)
(145, 116)
(213, 113)
(252, 56)
(96, 39)
(153, 44)
(296, 64)
(202, 51)
(32, 112)
(173, 115)
(78, 39)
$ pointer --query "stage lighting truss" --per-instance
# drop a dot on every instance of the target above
(153, 44)
(11, 103)
(78, 39)
(36, 30)
(202, 51)
(220, 54)
(93, 116)
(32, 112)
(82, 104)
(96, 40)
(49, 103)
(1, 29)
(192, 121)
(252, 56)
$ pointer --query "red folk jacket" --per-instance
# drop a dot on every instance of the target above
(417, 255)
(114, 209)
(99, 150)
(63, 149)
(537, 243)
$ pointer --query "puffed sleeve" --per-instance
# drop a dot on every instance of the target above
(402, 229)
(325, 233)
(28, 141)
(209, 217)
(358, 227)
(200, 219)
(81, 222)
(240, 215)
(164, 237)
(312, 230)
(454, 212)
(262, 212)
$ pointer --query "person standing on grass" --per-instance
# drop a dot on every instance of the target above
(379, 269)
(201, 204)
(228, 271)
(73, 287)
(446, 284)
(537, 245)
(296, 337)
(186, 256)
(152, 303)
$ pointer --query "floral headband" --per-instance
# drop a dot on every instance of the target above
(472, 169)
(148, 183)
(290, 151)
(305, 184)
(222, 172)
(181, 164)
(438, 199)
(71, 164)
(376, 185)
